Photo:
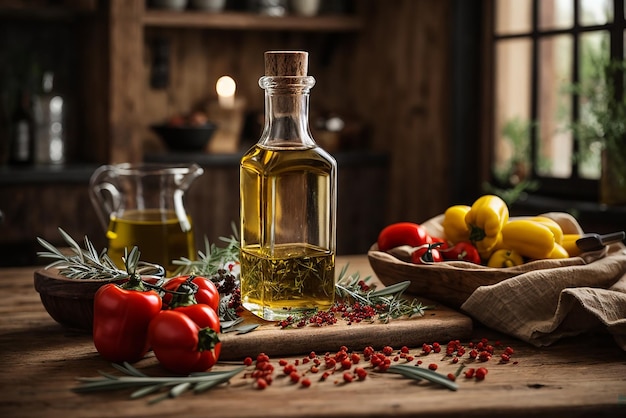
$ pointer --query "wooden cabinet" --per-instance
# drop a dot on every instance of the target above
(386, 65)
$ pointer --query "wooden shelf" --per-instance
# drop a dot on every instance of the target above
(248, 21)
(42, 10)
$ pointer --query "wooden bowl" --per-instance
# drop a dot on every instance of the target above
(452, 282)
(68, 301)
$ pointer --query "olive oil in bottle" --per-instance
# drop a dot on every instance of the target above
(288, 201)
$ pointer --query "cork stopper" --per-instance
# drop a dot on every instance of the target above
(286, 63)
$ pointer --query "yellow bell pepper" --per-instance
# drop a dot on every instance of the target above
(505, 258)
(552, 225)
(569, 244)
(486, 218)
(558, 252)
(455, 228)
(529, 238)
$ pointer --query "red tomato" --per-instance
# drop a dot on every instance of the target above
(121, 318)
(185, 339)
(207, 293)
(462, 251)
(402, 233)
(427, 254)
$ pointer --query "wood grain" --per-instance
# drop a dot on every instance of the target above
(41, 361)
(439, 324)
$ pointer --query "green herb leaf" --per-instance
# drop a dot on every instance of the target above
(213, 258)
(81, 263)
(244, 329)
(389, 302)
(147, 385)
(419, 373)
(147, 390)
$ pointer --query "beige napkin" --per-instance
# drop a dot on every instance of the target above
(541, 306)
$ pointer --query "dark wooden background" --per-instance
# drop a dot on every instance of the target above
(387, 65)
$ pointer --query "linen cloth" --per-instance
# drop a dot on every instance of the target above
(553, 301)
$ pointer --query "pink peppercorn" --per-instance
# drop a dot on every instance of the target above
(481, 372)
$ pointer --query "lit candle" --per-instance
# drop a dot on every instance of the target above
(225, 88)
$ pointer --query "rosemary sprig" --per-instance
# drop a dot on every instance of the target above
(87, 263)
(213, 258)
(212, 263)
(198, 382)
(82, 263)
(419, 373)
(389, 301)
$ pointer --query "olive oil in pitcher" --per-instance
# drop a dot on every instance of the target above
(142, 205)
(160, 233)
(288, 201)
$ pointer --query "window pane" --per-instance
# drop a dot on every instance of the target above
(555, 143)
(556, 14)
(513, 16)
(594, 56)
(512, 109)
(596, 12)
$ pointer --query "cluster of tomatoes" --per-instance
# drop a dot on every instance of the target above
(177, 320)
(428, 249)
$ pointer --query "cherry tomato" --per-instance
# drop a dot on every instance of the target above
(402, 233)
(462, 251)
(207, 293)
(427, 254)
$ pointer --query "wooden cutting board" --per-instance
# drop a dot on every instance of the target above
(439, 324)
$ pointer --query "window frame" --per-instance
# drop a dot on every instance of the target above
(574, 187)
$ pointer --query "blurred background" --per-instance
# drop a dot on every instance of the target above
(424, 104)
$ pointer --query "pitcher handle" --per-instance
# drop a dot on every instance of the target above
(195, 171)
(105, 196)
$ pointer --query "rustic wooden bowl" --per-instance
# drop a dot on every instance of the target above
(452, 282)
(68, 301)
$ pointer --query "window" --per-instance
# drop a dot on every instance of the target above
(548, 56)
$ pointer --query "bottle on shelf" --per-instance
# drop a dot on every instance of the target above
(21, 148)
(48, 109)
(288, 201)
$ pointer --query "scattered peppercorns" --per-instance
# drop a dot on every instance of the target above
(350, 366)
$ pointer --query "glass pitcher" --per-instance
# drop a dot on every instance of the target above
(142, 205)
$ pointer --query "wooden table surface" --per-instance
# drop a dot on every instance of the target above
(40, 360)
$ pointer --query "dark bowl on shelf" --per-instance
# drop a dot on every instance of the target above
(185, 138)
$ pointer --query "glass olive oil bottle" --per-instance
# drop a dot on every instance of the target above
(288, 201)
